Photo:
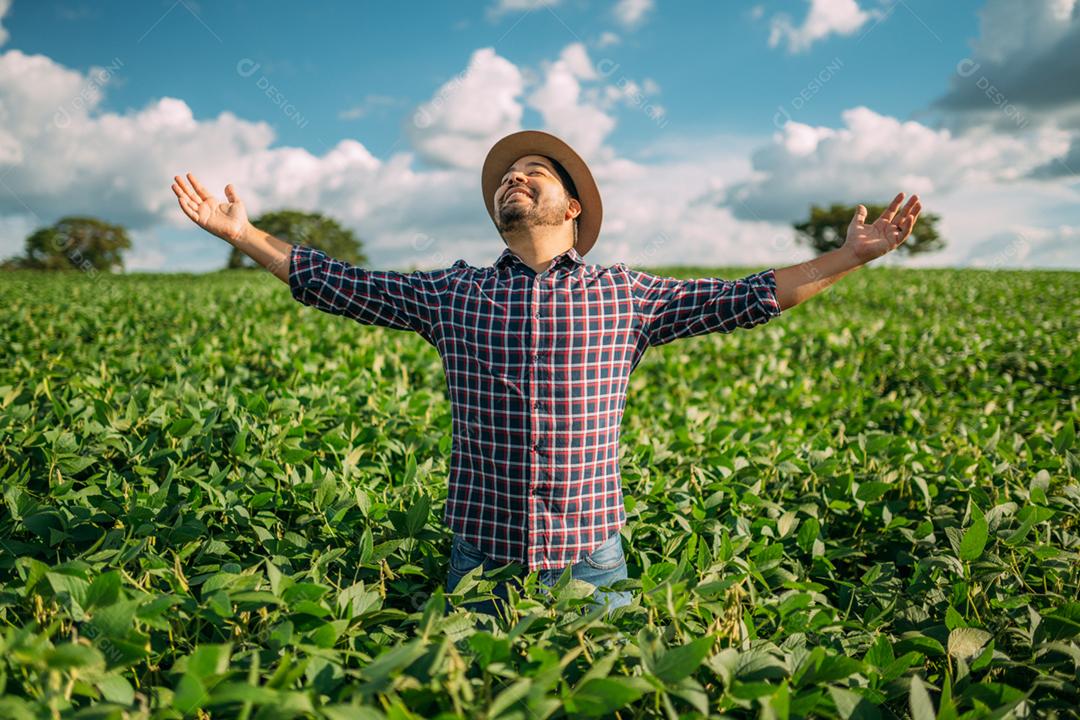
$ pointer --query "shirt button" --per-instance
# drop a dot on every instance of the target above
(536, 404)
(536, 314)
(536, 357)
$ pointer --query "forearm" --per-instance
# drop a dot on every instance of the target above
(797, 283)
(267, 250)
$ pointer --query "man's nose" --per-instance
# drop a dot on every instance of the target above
(513, 182)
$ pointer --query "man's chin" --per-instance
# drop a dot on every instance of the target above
(513, 221)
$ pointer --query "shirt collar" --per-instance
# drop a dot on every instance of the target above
(571, 256)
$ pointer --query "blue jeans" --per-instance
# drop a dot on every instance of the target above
(602, 567)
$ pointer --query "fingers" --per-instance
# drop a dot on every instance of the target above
(230, 193)
(184, 190)
(185, 204)
(203, 194)
(913, 216)
(887, 215)
(911, 210)
(907, 223)
(858, 219)
(907, 209)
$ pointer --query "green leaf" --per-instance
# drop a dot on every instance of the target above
(116, 620)
(180, 427)
(851, 705)
(189, 694)
(208, 660)
(417, 516)
(71, 656)
(971, 547)
(1066, 437)
(808, 532)
(105, 589)
(603, 696)
(115, 688)
(679, 662)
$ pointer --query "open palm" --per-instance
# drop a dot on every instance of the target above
(886, 233)
(227, 220)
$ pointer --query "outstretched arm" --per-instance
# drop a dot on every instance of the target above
(372, 297)
(797, 283)
(229, 221)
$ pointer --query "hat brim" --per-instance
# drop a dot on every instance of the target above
(506, 152)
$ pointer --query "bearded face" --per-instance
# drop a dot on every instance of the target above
(531, 194)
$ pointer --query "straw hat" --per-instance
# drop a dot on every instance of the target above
(506, 152)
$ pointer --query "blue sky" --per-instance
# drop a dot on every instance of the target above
(710, 125)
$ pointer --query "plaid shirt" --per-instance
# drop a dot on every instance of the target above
(537, 367)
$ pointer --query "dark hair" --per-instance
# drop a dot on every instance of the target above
(567, 181)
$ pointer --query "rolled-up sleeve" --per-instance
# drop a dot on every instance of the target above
(673, 308)
(401, 301)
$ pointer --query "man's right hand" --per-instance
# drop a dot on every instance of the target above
(228, 220)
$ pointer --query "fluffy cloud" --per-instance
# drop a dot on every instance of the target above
(1030, 54)
(696, 197)
(607, 39)
(825, 17)
(5, 5)
(369, 104)
(502, 7)
(630, 13)
(469, 112)
(60, 154)
(875, 156)
(559, 101)
(56, 145)
(1024, 72)
(1027, 247)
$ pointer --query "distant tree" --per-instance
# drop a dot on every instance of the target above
(310, 229)
(74, 243)
(827, 229)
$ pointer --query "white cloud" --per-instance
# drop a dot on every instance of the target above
(5, 5)
(875, 156)
(630, 13)
(1011, 30)
(502, 7)
(825, 17)
(1022, 74)
(369, 104)
(119, 167)
(577, 61)
(469, 112)
(660, 214)
(607, 39)
(60, 155)
(559, 101)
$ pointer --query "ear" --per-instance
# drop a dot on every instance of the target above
(573, 208)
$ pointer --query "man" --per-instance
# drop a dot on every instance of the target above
(538, 348)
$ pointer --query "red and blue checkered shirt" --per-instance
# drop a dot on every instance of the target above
(537, 367)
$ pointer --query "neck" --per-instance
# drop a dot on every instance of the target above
(539, 244)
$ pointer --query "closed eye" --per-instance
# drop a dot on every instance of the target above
(531, 172)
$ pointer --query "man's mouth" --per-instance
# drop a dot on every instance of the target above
(515, 193)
